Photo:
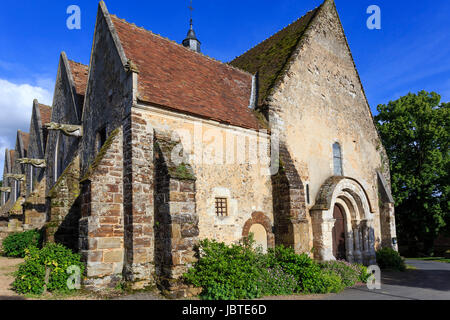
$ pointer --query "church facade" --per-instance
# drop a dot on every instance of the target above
(155, 146)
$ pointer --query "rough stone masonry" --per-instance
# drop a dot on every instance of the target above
(154, 146)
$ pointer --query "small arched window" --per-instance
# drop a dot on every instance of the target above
(100, 139)
(337, 160)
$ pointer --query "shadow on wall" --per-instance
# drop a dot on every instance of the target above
(163, 221)
(66, 232)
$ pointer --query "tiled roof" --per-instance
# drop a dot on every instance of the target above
(46, 113)
(25, 138)
(270, 57)
(176, 78)
(80, 76)
(12, 156)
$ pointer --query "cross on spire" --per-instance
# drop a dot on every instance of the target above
(191, 9)
(191, 40)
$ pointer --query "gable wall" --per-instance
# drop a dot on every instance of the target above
(320, 102)
(63, 111)
(110, 88)
(35, 149)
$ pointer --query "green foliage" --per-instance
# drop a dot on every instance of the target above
(321, 282)
(415, 131)
(388, 258)
(240, 272)
(275, 282)
(30, 277)
(226, 272)
(301, 267)
(364, 275)
(349, 273)
(15, 244)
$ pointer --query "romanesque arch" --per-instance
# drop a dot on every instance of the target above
(350, 197)
(259, 218)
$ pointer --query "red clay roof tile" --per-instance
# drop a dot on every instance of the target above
(80, 76)
(177, 78)
(46, 113)
(25, 138)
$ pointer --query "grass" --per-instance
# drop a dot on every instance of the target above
(435, 259)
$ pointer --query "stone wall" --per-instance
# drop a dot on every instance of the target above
(35, 213)
(36, 150)
(292, 221)
(63, 208)
(61, 149)
(320, 101)
(176, 221)
(101, 240)
(228, 162)
(138, 202)
(109, 93)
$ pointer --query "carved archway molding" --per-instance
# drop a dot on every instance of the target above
(350, 196)
(262, 219)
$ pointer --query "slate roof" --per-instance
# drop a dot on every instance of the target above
(176, 78)
(80, 76)
(46, 113)
(270, 57)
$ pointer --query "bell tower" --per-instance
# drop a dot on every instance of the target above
(191, 40)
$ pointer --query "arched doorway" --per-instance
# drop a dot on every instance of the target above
(261, 227)
(260, 236)
(339, 249)
(343, 222)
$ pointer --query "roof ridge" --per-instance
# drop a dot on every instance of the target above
(180, 45)
(274, 34)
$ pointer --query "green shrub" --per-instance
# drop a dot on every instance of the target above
(15, 244)
(226, 272)
(299, 266)
(240, 272)
(276, 282)
(321, 282)
(30, 277)
(363, 274)
(349, 273)
(388, 258)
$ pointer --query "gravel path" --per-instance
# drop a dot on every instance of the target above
(7, 267)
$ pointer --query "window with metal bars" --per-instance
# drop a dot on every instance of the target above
(221, 207)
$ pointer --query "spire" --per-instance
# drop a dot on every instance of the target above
(191, 40)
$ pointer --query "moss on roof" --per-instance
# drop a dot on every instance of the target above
(270, 58)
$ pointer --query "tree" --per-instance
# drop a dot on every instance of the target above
(415, 130)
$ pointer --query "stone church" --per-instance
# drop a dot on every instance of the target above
(154, 146)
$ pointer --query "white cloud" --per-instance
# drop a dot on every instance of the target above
(16, 102)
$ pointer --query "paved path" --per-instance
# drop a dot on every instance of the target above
(7, 267)
(431, 281)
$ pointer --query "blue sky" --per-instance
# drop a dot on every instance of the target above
(411, 52)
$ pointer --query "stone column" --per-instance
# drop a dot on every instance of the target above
(365, 241)
(323, 240)
(349, 247)
(371, 243)
(357, 255)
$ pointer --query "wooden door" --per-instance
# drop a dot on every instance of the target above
(339, 250)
